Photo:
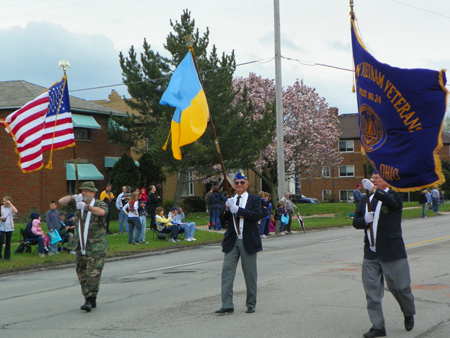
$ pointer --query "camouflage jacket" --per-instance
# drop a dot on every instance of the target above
(96, 240)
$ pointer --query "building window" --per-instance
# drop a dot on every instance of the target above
(345, 195)
(325, 193)
(71, 187)
(188, 187)
(346, 146)
(347, 171)
(326, 171)
(82, 134)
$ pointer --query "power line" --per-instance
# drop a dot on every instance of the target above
(24, 3)
(167, 77)
(421, 9)
(304, 63)
(308, 63)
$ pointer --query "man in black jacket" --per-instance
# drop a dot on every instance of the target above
(153, 203)
(241, 240)
(386, 257)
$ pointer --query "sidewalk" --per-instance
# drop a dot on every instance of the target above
(205, 228)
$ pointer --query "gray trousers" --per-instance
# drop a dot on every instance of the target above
(398, 280)
(248, 263)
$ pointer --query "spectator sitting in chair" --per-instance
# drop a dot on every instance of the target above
(177, 215)
(165, 226)
(30, 236)
(37, 230)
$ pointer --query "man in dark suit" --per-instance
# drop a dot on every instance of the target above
(386, 257)
(241, 240)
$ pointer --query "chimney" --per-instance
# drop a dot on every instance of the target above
(114, 96)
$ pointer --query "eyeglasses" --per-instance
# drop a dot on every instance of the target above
(240, 182)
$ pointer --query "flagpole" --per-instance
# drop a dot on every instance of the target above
(64, 64)
(368, 201)
(370, 225)
(216, 141)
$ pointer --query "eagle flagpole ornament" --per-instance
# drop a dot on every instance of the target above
(64, 64)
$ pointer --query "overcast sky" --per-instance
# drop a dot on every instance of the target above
(36, 34)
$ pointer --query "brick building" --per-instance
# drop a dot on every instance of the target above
(341, 180)
(35, 190)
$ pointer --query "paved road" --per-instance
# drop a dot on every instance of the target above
(309, 286)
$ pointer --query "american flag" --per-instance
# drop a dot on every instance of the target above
(40, 125)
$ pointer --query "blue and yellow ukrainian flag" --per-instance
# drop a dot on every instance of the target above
(185, 93)
(400, 114)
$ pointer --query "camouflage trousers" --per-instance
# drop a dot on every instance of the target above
(89, 270)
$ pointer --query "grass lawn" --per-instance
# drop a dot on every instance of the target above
(315, 216)
(118, 246)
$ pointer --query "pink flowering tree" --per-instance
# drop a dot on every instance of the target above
(310, 130)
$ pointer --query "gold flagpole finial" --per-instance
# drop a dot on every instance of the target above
(190, 42)
(352, 14)
(64, 64)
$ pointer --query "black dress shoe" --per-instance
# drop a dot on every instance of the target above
(250, 310)
(87, 305)
(225, 310)
(375, 333)
(409, 323)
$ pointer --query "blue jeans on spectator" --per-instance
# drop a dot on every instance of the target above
(133, 223)
(123, 218)
(435, 203)
(423, 210)
(262, 226)
(215, 219)
(188, 229)
(40, 243)
(143, 221)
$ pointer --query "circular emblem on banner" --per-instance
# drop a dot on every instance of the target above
(373, 134)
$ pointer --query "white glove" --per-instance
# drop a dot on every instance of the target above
(230, 202)
(234, 209)
(368, 217)
(80, 205)
(367, 184)
(78, 198)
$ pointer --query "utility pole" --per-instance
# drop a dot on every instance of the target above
(279, 103)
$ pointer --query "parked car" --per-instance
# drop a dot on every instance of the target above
(297, 198)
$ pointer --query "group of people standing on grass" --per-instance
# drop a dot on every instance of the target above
(279, 222)
(134, 206)
(431, 199)
(60, 228)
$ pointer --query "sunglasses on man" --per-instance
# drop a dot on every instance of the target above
(240, 182)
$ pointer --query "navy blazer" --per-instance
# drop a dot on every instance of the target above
(389, 240)
(250, 234)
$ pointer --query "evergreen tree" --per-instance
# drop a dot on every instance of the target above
(151, 172)
(124, 172)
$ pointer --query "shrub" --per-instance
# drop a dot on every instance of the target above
(330, 198)
(194, 204)
(167, 205)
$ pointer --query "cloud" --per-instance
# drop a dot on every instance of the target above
(35, 50)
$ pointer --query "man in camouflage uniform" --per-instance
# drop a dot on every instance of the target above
(89, 264)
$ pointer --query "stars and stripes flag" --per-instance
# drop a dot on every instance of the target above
(41, 125)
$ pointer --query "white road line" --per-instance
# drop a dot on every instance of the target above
(425, 225)
(337, 239)
(174, 266)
